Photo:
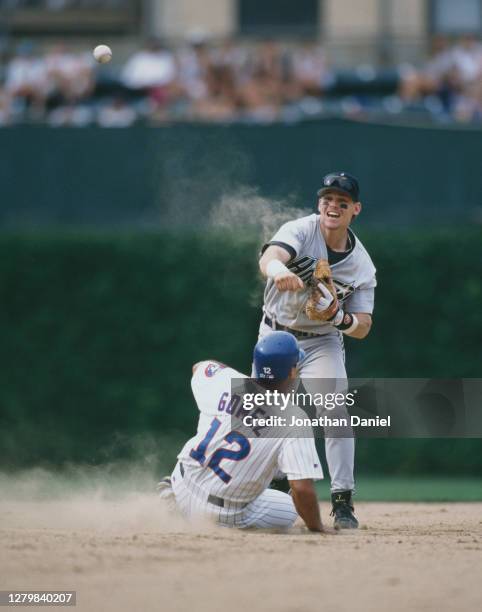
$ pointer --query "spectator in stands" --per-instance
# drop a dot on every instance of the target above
(452, 73)
(70, 76)
(466, 59)
(193, 64)
(26, 80)
(260, 97)
(310, 68)
(235, 56)
(151, 71)
(466, 76)
(430, 79)
(220, 102)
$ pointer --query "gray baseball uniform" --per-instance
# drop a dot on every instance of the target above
(354, 279)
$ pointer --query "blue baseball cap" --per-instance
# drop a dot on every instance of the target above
(275, 355)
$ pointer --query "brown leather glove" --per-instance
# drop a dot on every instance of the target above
(322, 304)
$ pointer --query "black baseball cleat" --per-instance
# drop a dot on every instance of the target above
(342, 510)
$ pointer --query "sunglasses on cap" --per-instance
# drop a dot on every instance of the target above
(342, 182)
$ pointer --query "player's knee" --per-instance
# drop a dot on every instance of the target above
(283, 509)
(291, 519)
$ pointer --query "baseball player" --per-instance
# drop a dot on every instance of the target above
(223, 474)
(287, 262)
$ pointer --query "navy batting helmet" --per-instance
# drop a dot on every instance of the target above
(275, 355)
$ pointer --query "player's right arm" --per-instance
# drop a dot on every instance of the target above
(272, 265)
(299, 460)
(306, 503)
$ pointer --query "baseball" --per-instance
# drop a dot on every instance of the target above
(102, 54)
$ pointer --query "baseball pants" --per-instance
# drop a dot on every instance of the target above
(325, 358)
(271, 509)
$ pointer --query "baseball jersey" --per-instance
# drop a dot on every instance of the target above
(226, 463)
(354, 275)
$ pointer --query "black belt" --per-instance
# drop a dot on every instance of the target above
(297, 334)
(212, 499)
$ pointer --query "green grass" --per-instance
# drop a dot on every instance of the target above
(412, 489)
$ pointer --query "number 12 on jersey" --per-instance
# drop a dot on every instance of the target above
(233, 437)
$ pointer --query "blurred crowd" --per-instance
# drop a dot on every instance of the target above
(450, 81)
(260, 82)
(59, 5)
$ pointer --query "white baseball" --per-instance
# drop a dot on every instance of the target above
(102, 54)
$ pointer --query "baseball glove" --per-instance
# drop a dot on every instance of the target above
(322, 304)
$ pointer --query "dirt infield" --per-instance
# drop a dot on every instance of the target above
(129, 554)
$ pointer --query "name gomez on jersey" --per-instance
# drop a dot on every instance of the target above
(354, 275)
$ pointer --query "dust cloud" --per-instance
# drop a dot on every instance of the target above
(116, 495)
(113, 498)
(250, 213)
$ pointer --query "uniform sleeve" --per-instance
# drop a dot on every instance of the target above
(209, 382)
(298, 459)
(290, 236)
(363, 300)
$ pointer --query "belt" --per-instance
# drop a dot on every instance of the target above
(212, 499)
(297, 334)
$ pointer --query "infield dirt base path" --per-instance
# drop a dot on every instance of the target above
(130, 555)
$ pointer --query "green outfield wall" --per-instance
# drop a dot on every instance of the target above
(174, 175)
(99, 332)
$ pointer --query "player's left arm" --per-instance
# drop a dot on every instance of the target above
(363, 328)
(357, 312)
(209, 380)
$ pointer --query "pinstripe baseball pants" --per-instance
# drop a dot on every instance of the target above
(271, 509)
